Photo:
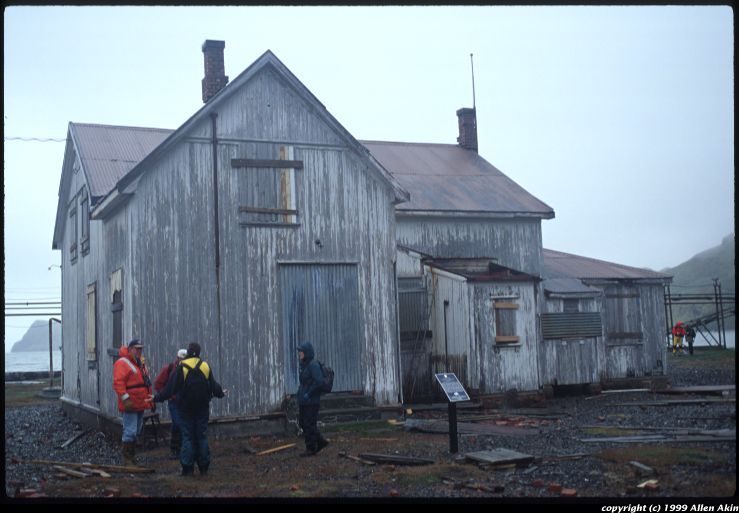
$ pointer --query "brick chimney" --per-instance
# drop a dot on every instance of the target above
(467, 128)
(215, 78)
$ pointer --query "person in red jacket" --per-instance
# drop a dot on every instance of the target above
(678, 332)
(175, 438)
(132, 384)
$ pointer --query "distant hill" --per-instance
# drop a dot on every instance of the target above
(37, 337)
(697, 274)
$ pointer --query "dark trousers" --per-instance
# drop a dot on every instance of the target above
(308, 418)
(175, 439)
(194, 427)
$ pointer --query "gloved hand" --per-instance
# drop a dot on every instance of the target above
(306, 397)
(128, 404)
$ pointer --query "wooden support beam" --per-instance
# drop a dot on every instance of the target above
(111, 468)
(271, 163)
(354, 458)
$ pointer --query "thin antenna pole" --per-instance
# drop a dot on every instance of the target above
(472, 64)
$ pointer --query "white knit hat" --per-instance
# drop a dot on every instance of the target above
(181, 354)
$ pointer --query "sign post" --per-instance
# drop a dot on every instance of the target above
(455, 393)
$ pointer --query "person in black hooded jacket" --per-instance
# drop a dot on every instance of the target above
(309, 399)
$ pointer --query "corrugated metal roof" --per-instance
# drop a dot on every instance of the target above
(568, 286)
(564, 265)
(109, 152)
(446, 177)
(478, 269)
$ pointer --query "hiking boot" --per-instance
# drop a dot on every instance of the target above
(203, 470)
(307, 453)
(321, 444)
(129, 454)
(187, 471)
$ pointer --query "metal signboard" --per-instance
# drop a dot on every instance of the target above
(453, 389)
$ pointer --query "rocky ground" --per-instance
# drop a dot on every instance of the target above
(553, 435)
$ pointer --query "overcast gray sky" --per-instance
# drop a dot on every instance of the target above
(620, 118)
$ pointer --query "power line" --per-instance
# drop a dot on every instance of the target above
(34, 139)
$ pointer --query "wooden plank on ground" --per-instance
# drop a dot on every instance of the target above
(111, 468)
(76, 437)
(467, 428)
(500, 456)
(354, 458)
(70, 472)
(395, 459)
(700, 389)
(675, 402)
(276, 449)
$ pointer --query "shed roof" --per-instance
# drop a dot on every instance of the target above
(557, 264)
(478, 269)
(109, 152)
(569, 286)
(446, 177)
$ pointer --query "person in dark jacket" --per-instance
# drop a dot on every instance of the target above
(175, 437)
(309, 399)
(194, 417)
(690, 337)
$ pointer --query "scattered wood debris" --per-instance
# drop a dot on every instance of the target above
(70, 472)
(699, 389)
(276, 449)
(500, 456)
(467, 428)
(395, 459)
(675, 402)
(72, 440)
(651, 484)
(354, 458)
(642, 468)
(88, 466)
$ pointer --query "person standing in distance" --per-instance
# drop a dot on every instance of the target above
(309, 399)
(194, 385)
(132, 385)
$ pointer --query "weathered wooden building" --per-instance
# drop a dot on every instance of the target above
(472, 299)
(600, 321)
(258, 223)
(261, 222)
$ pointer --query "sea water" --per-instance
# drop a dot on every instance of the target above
(32, 361)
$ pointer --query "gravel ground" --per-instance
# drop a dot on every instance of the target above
(37, 432)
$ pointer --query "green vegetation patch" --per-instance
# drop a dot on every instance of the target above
(27, 393)
(656, 456)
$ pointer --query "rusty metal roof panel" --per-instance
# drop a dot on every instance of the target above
(109, 152)
(446, 177)
(564, 265)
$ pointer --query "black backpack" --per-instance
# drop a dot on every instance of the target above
(328, 378)
(195, 390)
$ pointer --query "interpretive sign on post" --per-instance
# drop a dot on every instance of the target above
(455, 393)
(453, 389)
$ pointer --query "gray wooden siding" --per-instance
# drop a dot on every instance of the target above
(573, 361)
(453, 341)
(172, 298)
(501, 367)
(514, 243)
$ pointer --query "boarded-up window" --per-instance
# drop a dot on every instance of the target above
(73, 234)
(116, 289)
(267, 192)
(571, 305)
(623, 315)
(85, 218)
(412, 309)
(571, 325)
(505, 322)
(91, 332)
